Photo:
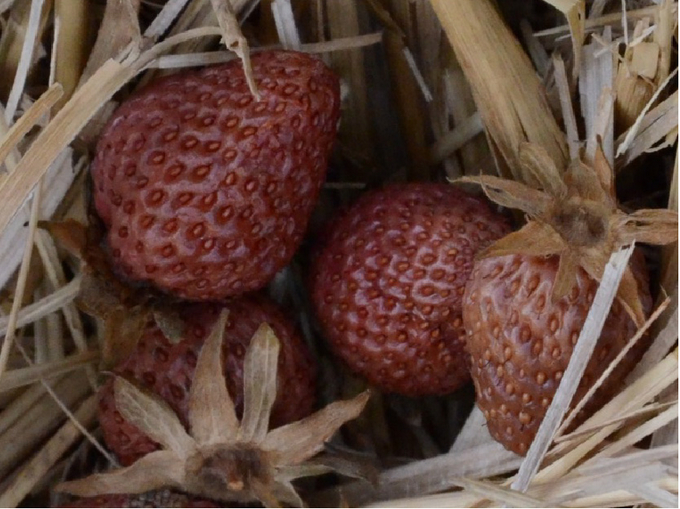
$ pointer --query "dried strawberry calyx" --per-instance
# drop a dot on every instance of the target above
(123, 309)
(220, 457)
(575, 216)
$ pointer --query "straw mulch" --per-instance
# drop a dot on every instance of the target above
(433, 89)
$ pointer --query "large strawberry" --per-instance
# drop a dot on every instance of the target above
(529, 295)
(388, 284)
(167, 369)
(205, 191)
(520, 341)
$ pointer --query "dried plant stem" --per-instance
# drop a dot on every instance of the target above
(21, 280)
(608, 19)
(164, 19)
(640, 432)
(20, 406)
(509, 95)
(28, 120)
(218, 57)
(431, 475)
(39, 421)
(34, 470)
(25, 60)
(634, 396)
(71, 45)
(568, 115)
(44, 307)
(457, 138)
(25, 376)
(474, 432)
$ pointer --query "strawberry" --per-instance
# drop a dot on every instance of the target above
(205, 191)
(167, 369)
(216, 454)
(520, 342)
(159, 498)
(530, 292)
(388, 284)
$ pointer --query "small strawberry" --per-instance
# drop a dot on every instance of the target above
(159, 498)
(167, 369)
(529, 294)
(388, 284)
(205, 191)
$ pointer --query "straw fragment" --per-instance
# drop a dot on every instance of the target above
(568, 115)
(640, 432)
(25, 60)
(165, 18)
(431, 475)
(21, 280)
(286, 27)
(45, 306)
(653, 127)
(39, 421)
(25, 376)
(663, 342)
(31, 473)
(71, 45)
(509, 95)
(29, 119)
(631, 134)
(575, 11)
(218, 57)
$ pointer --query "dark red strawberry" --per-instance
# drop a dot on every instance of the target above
(388, 284)
(161, 498)
(204, 190)
(520, 342)
(168, 369)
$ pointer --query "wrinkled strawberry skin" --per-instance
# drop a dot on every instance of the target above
(388, 284)
(205, 191)
(520, 342)
(168, 369)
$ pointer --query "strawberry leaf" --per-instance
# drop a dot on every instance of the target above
(299, 441)
(153, 416)
(156, 470)
(169, 322)
(71, 234)
(123, 329)
(650, 226)
(511, 194)
(538, 163)
(259, 383)
(534, 239)
(211, 410)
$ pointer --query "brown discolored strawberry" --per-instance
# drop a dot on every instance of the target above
(389, 281)
(159, 498)
(205, 191)
(520, 341)
(167, 369)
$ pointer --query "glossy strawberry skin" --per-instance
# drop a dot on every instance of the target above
(205, 191)
(167, 370)
(520, 342)
(162, 498)
(389, 281)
